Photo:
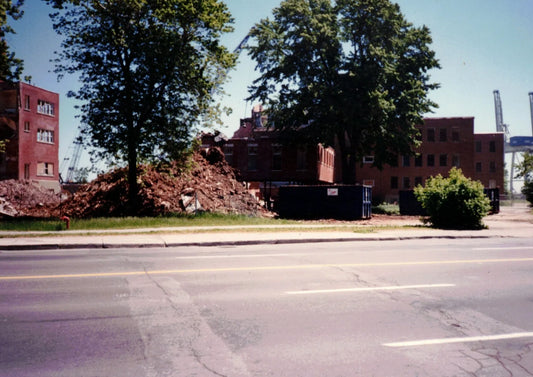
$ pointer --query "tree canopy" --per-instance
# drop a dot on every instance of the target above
(347, 73)
(10, 66)
(148, 71)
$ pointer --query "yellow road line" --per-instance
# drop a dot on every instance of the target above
(265, 268)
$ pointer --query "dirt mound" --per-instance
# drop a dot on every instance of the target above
(208, 184)
(23, 198)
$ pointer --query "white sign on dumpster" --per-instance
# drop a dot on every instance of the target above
(333, 192)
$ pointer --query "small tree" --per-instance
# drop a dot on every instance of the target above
(455, 202)
(525, 170)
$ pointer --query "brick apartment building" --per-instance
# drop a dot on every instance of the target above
(29, 120)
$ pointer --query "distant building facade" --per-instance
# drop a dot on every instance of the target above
(29, 121)
(265, 163)
(261, 158)
(446, 143)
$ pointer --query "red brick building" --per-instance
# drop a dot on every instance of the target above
(265, 163)
(29, 121)
(260, 157)
(446, 142)
(257, 152)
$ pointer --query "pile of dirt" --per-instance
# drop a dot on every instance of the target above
(207, 184)
(23, 199)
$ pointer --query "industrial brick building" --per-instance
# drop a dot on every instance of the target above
(29, 121)
(446, 143)
(265, 162)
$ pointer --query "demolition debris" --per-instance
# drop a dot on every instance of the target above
(205, 183)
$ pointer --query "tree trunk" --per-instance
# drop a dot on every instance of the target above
(347, 159)
(133, 187)
(348, 168)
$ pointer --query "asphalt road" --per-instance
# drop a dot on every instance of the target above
(387, 308)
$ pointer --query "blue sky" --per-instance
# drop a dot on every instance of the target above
(482, 45)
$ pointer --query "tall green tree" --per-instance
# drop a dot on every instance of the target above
(10, 66)
(148, 71)
(353, 73)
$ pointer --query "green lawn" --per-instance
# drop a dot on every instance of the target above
(204, 219)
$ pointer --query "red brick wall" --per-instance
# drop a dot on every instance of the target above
(26, 152)
(489, 160)
(456, 146)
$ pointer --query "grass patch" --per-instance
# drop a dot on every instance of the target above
(386, 209)
(174, 220)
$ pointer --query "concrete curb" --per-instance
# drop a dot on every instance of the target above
(163, 244)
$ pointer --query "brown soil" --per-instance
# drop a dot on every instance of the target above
(22, 198)
(208, 183)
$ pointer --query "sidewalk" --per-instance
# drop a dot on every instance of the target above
(515, 221)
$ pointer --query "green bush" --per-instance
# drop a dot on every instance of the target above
(455, 202)
(527, 190)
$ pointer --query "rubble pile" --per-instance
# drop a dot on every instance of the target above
(23, 199)
(207, 184)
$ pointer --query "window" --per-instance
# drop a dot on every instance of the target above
(252, 157)
(301, 158)
(26, 126)
(455, 134)
(26, 102)
(406, 182)
(456, 161)
(478, 167)
(393, 182)
(430, 135)
(45, 168)
(418, 181)
(45, 136)
(26, 171)
(228, 153)
(276, 157)
(443, 160)
(418, 160)
(368, 159)
(443, 134)
(45, 107)
(406, 161)
(478, 146)
(492, 167)
(492, 146)
(431, 160)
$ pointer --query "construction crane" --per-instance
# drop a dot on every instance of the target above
(500, 126)
(223, 73)
(516, 144)
(77, 147)
(531, 109)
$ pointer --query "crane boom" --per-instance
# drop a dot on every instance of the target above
(531, 109)
(498, 111)
(75, 159)
(500, 126)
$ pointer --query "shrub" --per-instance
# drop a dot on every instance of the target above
(527, 190)
(455, 202)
